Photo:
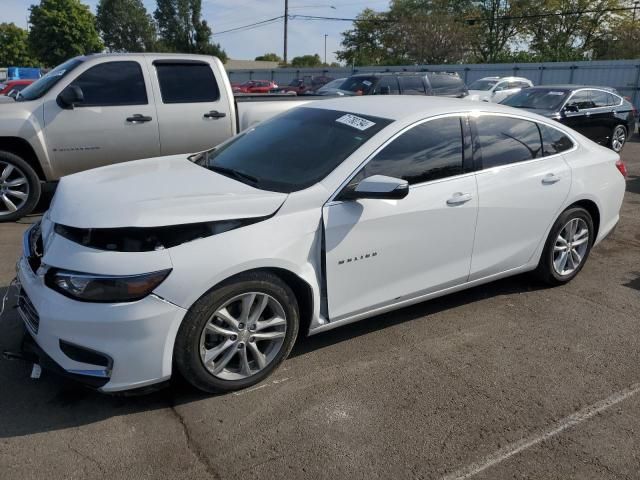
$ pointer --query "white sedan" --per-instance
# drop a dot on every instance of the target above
(327, 214)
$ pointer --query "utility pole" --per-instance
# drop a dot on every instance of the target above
(286, 21)
(325, 48)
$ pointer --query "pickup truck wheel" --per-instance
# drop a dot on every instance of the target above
(237, 334)
(19, 187)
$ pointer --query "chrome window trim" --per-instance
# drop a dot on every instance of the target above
(593, 88)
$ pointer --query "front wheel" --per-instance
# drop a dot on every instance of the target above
(567, 247)
(19, 187)
(618, 138)
(237, 334)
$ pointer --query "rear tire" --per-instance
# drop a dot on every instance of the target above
(567, 247)
(237, 334)
(618, 138)
(20, 187)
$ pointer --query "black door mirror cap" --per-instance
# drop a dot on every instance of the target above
(69, 97)
(380, 187)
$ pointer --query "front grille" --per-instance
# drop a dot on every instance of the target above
(28, 312)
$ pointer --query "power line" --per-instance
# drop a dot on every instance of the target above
(251, 25)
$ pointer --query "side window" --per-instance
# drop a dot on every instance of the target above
(506, 140)
(112, 84)
(391, 82)
(445, 83)
(411, 85)
(554, 141)
(187, 82)
(428, 151)
(614, 100)
(501, 86)
(581, 99)
(600, 98)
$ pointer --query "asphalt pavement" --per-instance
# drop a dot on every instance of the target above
(510, 380)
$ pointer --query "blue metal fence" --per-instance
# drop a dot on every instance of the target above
(624, 75)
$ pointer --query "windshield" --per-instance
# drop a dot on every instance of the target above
(482, 84)
(44, 84)
(332, 85)
(292, 151)
(359, 85)
(539, 99)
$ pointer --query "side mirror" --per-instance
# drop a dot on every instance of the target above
(386, 90)
(69, 97)
(376, 187)
(571, 108)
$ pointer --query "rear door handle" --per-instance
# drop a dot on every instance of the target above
(458, 199)
(137, 118)
(550, 179)
(215, 114)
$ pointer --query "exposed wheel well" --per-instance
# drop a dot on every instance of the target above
(592, 208)
(21, 147)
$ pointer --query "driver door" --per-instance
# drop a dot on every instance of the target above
(380, 252)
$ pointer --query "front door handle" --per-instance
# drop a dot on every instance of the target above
(137, 118)
(458, 199)
(550, 179)
(215, 114)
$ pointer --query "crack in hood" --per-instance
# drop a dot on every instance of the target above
(156, 192)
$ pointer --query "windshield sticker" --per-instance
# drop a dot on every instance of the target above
(356, 122)
(556, 93)
(367, 83)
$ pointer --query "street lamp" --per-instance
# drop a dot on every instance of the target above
(325, 48)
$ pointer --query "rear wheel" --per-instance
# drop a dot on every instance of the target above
(567, 247)
(19, 187)
(237, 334)
(618, 138)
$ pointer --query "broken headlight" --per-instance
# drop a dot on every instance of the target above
(89, 287)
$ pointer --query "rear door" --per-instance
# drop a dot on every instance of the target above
(194, 111)
(603, 118)
(380, 252)
(521, 189)
(580, 120)
(116, 121)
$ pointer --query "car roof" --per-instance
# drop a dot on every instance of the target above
(505, 78)
(400, 107)
(570, 87)
(387, 74)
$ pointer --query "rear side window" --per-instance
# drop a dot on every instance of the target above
(554, 141)
(445, 83)
(391, 82)
(412, 85)
(187, 83)
(112, 84)
(600, 98)
(428, 151)
(506, 140)
(581, 99)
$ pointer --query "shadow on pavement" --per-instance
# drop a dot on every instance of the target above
(52, 403)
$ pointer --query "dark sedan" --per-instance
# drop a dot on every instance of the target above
(599, 113)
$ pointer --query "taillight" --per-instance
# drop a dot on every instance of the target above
(621, 167)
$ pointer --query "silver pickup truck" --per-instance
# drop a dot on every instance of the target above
(102, 109)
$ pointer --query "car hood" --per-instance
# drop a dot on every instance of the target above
(5, 99)
(479, 95)
(156, 192)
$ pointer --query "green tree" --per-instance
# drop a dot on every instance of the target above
(125, 26)
(15, 48)
(306, 61)
(269, 57)
(365, 43)
(61, 29)
(557, 36)
(181, 28)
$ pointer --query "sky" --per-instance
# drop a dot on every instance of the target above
(305, 37)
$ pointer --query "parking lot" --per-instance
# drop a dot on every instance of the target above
(507, 380)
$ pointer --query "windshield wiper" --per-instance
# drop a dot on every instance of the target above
(236, 174)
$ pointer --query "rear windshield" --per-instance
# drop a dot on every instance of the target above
(537, 99)
(294, 150)
(44, 84)
(359, 85)
(482, 84)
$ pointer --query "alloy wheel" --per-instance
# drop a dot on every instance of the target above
(243, 336)
(618, 138)
(570, 246)
(14, 188)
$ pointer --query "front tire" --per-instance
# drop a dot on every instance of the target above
(19, 187)
(237, 334)
(618, 138)
(567, 247)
